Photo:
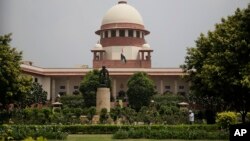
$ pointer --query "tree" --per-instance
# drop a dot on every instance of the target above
(91, 113)
(37, 95)
(115, 113)
(140, 90)
(104, 116)
(219, 65)
(13, 85)
(88, 87)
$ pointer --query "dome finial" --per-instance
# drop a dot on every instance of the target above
(122, 2)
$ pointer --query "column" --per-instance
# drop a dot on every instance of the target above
(162, 87)
(175, 86)
(53, 90)
(101, 55)
(94, 56)
(114, 89)
(68, 87)
(149, 56)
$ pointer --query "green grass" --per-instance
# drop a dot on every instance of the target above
(109, 138)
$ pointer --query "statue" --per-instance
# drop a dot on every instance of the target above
(104, 77)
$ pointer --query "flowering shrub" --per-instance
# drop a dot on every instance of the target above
(225, 119)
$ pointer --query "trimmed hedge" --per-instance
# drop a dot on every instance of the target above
(111, 129)
(129, 131)
(170, 134)
(19, 132)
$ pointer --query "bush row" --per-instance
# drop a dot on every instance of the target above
(19, 132)
(134, 131)
(111, 129)
(169, 134)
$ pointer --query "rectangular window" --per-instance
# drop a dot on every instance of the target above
(76, 92)
(113, 33)
(76, 87)
(62, 93)
(62, 87)
(106, 34)
(36, 80)
(130, 33)
(138, 34)
(181, 87)
(122, 33)
(167, 87)
(103, 35)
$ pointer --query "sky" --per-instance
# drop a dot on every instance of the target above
(61, 33)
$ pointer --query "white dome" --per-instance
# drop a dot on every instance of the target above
(122, 13)
(146, 46)
(98, 46)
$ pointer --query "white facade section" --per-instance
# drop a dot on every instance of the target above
(122, 13)
(114, 52)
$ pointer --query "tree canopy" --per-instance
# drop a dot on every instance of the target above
(13, 85)
(140, 90)
(219, 65)
(89, 85)
(37, 95)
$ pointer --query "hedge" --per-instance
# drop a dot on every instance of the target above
(111, 129)
(19, 132)
(170, 134)
(133, 131)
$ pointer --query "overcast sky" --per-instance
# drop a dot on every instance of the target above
(60, 33)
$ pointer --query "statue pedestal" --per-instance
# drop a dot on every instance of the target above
(102, 99)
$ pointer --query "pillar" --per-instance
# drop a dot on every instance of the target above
(53, 90)
(114, 92)
(68, 87)
(175, 86)
(162, 89)
(94, 56)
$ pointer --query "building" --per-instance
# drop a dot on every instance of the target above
(122, 49)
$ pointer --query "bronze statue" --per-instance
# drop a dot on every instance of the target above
(104, 77)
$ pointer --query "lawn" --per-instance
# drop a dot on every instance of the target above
(109, 138)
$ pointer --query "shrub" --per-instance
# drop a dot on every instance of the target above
(104, 116)
(19, 132)
(38, 139)
(225, 119)
(72, 101)
(121, 134)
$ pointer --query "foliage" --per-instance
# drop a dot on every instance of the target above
(177, 132)
(116, 113)
(91, 113)
(19, 132)
(88, 87)
(37, 95)
(13, 85)
(225, 119)
(218, 66)
(72, 101)
(104, 116)
(38, 139)
(121, 134)
(140, 90)
(129, 114)
(168, 99)
(111, 129)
